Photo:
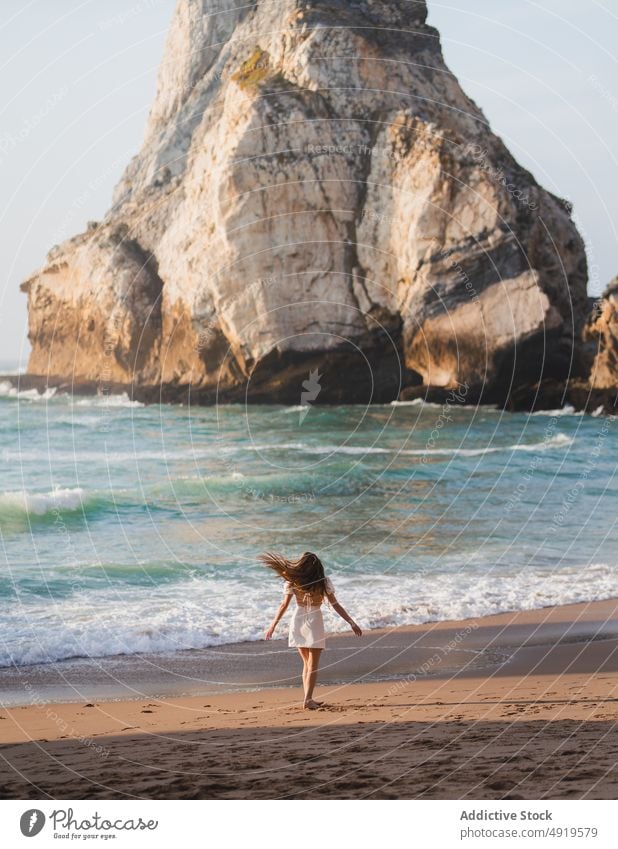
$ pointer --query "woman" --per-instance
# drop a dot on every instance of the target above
(305, 580)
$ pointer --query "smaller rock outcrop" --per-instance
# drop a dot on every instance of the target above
(592, 384)
(602, 331)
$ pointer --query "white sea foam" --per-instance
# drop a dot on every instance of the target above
(560, 440)
(110, 456)
(104, 401)
(190, 615)
(567, 410)
(7, 390)
(433, 405)
(416, 402)
(41, 503)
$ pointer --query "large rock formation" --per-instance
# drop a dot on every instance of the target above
(314, 190)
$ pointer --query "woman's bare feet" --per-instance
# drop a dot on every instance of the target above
(311, 704)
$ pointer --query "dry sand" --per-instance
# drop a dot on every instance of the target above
(515, 706)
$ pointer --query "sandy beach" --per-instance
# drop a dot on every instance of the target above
(513, 706)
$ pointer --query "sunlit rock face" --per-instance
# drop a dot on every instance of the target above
(601, 332)
(314, 191)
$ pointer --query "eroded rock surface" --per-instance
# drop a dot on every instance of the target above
(602, 331)
(314, 190)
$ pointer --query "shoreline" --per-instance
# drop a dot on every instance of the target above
(461, 647)
(547, 396)
(520, 706)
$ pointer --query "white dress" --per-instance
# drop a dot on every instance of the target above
(307, 623)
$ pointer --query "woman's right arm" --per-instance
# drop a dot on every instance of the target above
(282, 608)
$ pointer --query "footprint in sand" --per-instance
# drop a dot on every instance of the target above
(501, 785)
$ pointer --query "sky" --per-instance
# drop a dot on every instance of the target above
(78, 76)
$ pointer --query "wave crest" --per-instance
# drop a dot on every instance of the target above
(59, 500)
(560, 440)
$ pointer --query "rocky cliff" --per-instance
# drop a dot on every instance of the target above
(601, 332)
(314, 191)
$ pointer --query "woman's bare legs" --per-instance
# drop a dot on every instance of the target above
(304, 653)
(312, 664)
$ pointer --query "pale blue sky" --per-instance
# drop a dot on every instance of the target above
(78, 77)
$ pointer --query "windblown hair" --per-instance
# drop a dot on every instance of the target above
(306, 573)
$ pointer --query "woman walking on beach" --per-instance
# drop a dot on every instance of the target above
(305, 580)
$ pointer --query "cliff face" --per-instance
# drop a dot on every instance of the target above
(314, 190)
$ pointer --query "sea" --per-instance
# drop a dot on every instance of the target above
(128, 529)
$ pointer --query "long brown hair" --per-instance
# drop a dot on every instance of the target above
(306, 573)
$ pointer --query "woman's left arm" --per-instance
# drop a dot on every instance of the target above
(282, 608)
(341, 611)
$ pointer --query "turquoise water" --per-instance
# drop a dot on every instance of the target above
(126, 528)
